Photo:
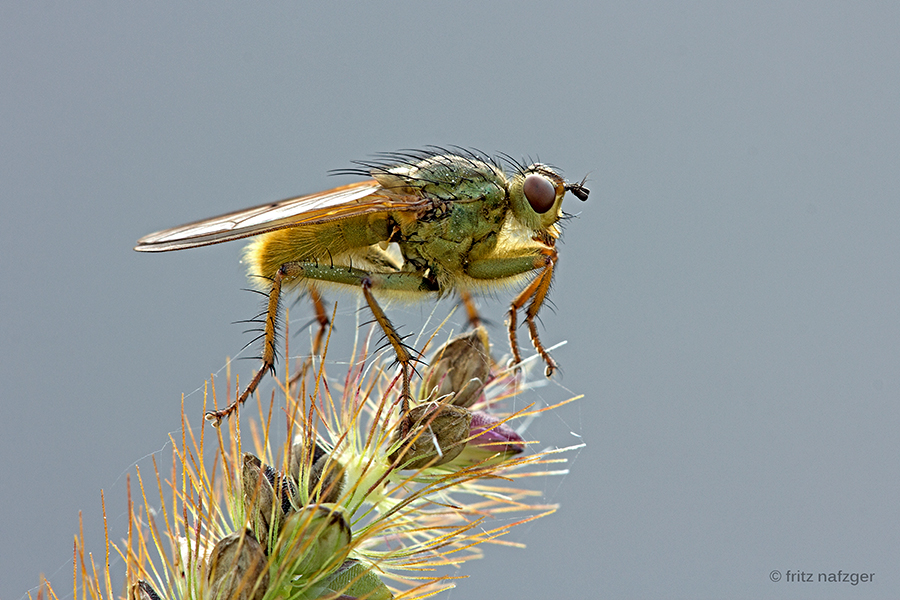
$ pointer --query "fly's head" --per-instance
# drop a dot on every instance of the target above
(536, 194)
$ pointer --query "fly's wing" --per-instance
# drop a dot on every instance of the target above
(349, 200)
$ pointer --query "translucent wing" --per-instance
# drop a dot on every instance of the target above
(354, 199)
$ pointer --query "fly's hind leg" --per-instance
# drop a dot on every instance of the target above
(268, 353)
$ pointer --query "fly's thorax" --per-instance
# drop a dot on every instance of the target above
(446, 177)
(535, 196)
(443, 238)
(314, 242)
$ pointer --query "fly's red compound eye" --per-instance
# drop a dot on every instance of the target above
(540, 193)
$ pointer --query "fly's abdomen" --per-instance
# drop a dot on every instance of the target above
(313, 242)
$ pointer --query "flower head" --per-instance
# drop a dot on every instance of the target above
(352, 501)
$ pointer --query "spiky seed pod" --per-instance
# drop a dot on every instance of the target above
(299, 460)
(436, 436)
(142, 590)
(314, 538)
(354, 580)
(237, 569)
(259, 498)
(326, 481)
(320, 491)
(459, 370)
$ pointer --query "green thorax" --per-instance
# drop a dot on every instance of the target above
(469, 205)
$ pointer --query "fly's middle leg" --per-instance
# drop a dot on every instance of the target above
(404, 357)
(471, 310)
(316, 350)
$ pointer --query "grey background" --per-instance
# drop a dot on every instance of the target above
(729, 293)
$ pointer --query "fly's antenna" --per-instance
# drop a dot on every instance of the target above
(578, 190)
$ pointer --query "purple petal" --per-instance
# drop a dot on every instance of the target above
(492, 435)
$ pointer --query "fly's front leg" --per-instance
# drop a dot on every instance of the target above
(535, 292)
